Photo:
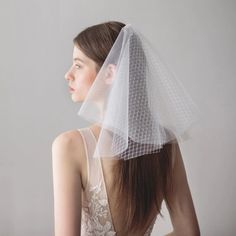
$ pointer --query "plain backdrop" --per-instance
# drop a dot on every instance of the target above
(197, 41)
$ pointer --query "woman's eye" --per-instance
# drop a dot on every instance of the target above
(78, 66)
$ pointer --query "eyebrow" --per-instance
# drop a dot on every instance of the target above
(78, 59)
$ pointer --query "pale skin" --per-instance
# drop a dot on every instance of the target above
(70, 175)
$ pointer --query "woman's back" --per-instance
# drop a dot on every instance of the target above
(99, 216)
(72, 162)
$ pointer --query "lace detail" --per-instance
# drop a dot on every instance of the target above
(96, 219)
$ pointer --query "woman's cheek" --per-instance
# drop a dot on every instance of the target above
(78, 84)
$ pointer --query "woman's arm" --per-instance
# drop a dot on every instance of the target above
(183, 216)
(66, 186)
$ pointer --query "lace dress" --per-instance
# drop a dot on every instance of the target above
(96, 219)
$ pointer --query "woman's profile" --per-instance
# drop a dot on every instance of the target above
(111, 177)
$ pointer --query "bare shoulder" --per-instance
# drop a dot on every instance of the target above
(69, 147)
(67, 139)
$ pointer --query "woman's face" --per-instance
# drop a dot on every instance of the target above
(81, 75)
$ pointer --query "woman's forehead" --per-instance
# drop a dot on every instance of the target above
(79, 55)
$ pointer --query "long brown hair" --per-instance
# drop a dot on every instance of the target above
(142, 182)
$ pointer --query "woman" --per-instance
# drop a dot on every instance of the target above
(117, 196)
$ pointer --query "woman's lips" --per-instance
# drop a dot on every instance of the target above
(71, 89)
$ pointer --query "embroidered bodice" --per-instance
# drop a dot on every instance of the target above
(96, 219)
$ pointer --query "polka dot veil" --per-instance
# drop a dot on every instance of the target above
(137, 101)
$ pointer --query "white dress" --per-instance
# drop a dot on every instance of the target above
(96, 217)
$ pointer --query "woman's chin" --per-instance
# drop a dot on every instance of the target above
(75, 98)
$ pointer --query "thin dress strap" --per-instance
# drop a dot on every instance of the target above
(93, 173)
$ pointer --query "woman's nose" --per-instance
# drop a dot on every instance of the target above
(68, 75)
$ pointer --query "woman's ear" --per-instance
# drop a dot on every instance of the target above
(110, 73)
